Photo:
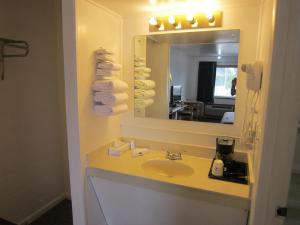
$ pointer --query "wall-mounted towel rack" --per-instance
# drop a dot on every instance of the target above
(9, 43)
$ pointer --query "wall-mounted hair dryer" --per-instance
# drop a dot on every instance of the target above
(254, 75)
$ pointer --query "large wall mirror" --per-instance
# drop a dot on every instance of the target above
(188, 76)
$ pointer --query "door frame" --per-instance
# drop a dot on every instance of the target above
(281, 118)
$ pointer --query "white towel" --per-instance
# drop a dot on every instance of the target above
(104, 58)
(114, 85)
(140, 93)
(144, 84)
(147, 70)
(142, 69)
(110, 98)
(141, 75)
(142, 103)
(107, 110)
(139, 59)
(108, 66)
(103, 51)
(139, 64)
(105, 72)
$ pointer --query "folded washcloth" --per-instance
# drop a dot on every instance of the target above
(139, 64)
(144, 84)
(140, 93)
(108, 66)
(110, 98)
(107, 110)
(105, 72)
(142, 103)
(103, 51)
(142, 69)
(141, 75)
(104, 58)
(113, 85)
(147, 70)
(139, 59)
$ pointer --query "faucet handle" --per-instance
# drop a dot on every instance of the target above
(173, 155)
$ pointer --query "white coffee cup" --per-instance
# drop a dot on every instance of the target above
(218, 168)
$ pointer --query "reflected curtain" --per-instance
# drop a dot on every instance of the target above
(206, 81)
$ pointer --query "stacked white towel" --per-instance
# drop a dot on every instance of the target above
(143, 92)
(109, 93)
(142, 69)
(105, 64)
(110, 98)
(112, 85)
(144, 84)
(108, 110)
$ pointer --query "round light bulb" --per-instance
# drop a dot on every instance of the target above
(219, 57)
(190, 17)
(161, 27)
(153, 21)
(152, 2)
(210, 16)
(194, 24)
(178, 26)
(172, 20)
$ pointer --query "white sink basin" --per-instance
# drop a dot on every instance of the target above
(167, 168)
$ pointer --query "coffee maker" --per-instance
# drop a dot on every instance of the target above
(233, 170)
(225, 149)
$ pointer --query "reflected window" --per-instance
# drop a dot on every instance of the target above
(225, 77)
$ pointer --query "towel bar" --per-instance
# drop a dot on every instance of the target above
(4, 42)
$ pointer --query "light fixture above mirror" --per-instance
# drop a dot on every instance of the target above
(189, 21)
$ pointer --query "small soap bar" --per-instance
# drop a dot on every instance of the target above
(139, 152)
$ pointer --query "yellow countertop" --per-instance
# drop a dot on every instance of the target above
(199, 180)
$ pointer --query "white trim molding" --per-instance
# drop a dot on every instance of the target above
(41, 211)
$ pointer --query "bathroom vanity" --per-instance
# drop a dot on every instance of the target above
(152, 189)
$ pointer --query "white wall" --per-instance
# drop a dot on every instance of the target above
(178, 68)
(158, 60)
(94, 27)
(265, 44)
(32, 136)
(240, 16)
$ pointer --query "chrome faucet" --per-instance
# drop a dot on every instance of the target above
(173, 155)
